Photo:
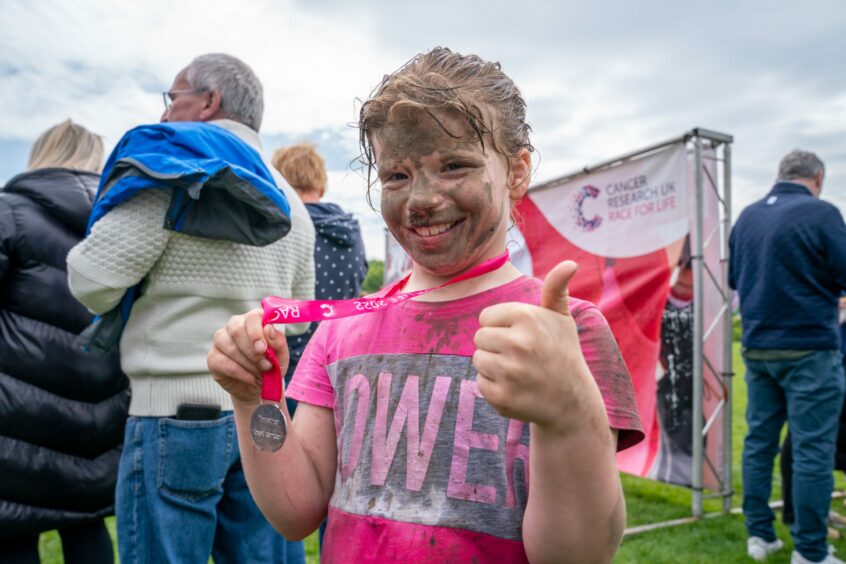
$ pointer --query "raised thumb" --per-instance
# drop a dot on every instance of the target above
(554, 293)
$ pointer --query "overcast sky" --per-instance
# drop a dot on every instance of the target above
(600, 78)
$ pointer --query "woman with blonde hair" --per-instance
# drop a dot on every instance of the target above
(62, 413)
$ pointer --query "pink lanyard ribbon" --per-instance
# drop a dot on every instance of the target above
(283, 310)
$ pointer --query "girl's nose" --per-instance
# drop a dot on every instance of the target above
(424, 193)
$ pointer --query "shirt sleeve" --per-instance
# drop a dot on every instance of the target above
(120, 250)
(732, 270)
(835, 234)
(606, 363)
(311, 383)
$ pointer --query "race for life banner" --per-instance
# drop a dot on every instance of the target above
(626, 211)
(628, 228)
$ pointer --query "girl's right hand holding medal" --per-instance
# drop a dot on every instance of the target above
(237, 356)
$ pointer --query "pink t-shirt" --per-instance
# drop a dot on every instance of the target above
(427, 470)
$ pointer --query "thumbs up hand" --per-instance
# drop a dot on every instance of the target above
(529, 362)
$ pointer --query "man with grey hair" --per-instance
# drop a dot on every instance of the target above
(181, 493)
(788, 264)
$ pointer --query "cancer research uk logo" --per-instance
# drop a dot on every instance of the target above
(626, 200)
(587, 192)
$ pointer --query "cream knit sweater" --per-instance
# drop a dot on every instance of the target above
(191, 287)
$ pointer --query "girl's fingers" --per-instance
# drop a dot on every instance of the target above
(255, 331)
(223, 367)
(225, 346)
(492, 390)
(488, 364)
(498, 315)
(246, 332)
(494, 339)
(277, 341)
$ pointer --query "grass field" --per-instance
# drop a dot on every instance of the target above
(720, 539)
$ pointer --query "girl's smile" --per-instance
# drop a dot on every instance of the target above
(434, 230)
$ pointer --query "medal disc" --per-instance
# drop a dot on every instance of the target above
(268, 427)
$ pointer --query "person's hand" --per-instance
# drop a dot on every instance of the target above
(529, 362)
(236, 359)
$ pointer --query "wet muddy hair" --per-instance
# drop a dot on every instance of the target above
(465, 86)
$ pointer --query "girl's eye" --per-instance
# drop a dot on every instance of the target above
(454, 166)
(394, 178)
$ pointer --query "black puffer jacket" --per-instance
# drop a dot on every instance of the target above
(62, 413)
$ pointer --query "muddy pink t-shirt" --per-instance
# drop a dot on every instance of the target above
(427, 470)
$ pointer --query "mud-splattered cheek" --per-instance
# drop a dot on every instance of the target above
(393, 204)
(483, 202)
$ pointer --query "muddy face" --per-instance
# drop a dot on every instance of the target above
(443, 197)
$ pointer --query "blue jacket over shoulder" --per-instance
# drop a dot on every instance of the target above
(221, 187)
(788, 263)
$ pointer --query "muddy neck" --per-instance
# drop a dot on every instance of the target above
(420, 280)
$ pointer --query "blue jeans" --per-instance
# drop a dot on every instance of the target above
(181, 496)
(808, 393)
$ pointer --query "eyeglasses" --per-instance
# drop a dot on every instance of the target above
(169, 97)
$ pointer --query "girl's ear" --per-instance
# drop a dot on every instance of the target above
(519, 174)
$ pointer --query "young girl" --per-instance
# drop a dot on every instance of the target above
(419, 425)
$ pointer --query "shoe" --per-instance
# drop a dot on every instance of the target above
(797, 558)
(758, 549)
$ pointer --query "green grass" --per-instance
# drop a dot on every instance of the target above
(720, 539)
(50, 547)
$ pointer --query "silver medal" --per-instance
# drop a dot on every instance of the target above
(268, 427)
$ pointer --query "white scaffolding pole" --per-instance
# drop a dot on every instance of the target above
(698, 329)
(717, 275)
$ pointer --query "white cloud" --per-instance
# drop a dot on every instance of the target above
(105, 65)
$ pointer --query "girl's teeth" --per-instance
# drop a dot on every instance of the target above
(430, 230)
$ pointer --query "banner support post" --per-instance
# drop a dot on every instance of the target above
(698, 330)
(727, 335)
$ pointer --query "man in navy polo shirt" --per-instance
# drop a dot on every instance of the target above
(788, 264)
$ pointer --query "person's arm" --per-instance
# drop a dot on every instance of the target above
(119, 252)
(834, 231)
(291, 486)
(732, 269)
(576, 504)
(531, 368)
